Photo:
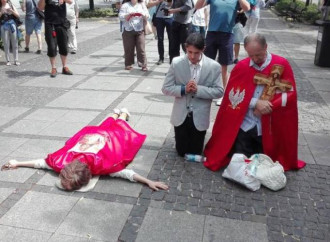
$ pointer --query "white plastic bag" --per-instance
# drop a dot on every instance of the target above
(270, 174)
(237, 170)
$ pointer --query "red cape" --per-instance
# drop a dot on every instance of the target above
(279, 129)
(106, 149)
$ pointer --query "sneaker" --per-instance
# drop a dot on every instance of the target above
(235, 61)
(53, 72)
(124, 110)
(160, 61)
(26, 49)
(16, 63)
(116, 111)
(218, 102)
(66, 71)
(8, 63)
(38, 52)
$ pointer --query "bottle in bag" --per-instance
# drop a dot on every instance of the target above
(194, 158)
(253, 165)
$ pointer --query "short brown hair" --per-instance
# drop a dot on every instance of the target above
(75, 175)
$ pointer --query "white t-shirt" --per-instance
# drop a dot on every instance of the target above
(71, 10)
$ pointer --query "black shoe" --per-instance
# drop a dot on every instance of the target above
(160, 61)
(73, 52)
(38, 52)
(27, 50)
(66, 71)
(235, 61)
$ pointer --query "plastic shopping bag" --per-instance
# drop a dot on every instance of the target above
(271, 174)
(240, 171)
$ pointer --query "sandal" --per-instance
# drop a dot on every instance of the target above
(128, 68)
(8, 166)
(144, 68)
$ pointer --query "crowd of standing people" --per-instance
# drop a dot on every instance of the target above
(259, 104)
(60, 18)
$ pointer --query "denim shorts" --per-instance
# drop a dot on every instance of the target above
(33, 24)
(220, 42)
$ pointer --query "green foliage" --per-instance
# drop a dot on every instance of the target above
(312, 14)
(98, 13)
(282, 5)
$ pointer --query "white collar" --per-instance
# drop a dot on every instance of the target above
(200, 63)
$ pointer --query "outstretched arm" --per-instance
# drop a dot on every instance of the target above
(13, 164)
(134, 177)
(154, 185)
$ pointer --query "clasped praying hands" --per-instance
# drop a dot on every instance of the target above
(191, 87)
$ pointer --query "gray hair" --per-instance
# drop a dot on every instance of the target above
(259, 38)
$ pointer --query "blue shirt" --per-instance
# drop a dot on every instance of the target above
(30, 9)
(250, 120)
(222, 15)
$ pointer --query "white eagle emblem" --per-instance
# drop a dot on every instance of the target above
(236, 98)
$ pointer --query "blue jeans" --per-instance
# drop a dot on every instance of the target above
(161, 24)
(198, 29)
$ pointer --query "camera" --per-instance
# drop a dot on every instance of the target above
(165, 10)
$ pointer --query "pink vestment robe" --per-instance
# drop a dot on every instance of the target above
(106, 148)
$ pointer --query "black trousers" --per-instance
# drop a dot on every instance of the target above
(60, 40)
(248, 143)
(188, 139)
(180, 33)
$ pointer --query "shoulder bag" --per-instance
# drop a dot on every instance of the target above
(40, 14)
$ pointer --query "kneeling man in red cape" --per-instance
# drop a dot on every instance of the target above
(259, 112)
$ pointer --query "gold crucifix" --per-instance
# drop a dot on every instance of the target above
(272, 82)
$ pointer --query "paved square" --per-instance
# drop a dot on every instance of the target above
(110, 83)
(99, 220)
(163, 225)
(68, 238)
(9, 144)
(97, 100)
(4, 193)
(319, 146)
(10, 234)
(83, 69)
(150, 85)
(53, 122)
(228, 230)
(96, 60)
(39, 211)
(9, 113)
(141, 164)
(148, 103)
(61, 81)
(156, 134)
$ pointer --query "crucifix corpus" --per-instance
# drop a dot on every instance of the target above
(272, 82)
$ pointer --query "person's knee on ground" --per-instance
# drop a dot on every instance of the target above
(75, 175)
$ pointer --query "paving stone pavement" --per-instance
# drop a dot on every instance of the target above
(39, 113)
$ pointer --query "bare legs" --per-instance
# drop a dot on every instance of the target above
(224, 75)
(27, 41)
(237, 47)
